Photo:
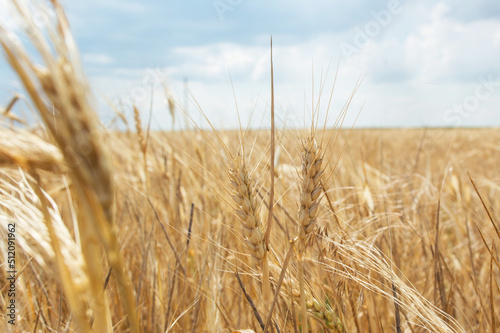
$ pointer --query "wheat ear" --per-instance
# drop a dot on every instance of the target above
(23, 148)
(247, 210)
(142, 143)
(310, 190)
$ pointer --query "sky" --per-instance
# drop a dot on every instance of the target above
(418, 63)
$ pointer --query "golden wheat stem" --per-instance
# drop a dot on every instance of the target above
(266, 287)
(303, 305)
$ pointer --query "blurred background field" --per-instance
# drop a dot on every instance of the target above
(382, 196)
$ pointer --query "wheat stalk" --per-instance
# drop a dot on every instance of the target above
(245, 199)
(60, 92)
(310, 191)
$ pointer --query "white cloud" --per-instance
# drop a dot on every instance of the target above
(446, 49)
(215, 61)
(97, 59)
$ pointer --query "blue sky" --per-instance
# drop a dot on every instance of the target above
(424, 63)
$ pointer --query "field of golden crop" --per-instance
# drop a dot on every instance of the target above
(369, 230)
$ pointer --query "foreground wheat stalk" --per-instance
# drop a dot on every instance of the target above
(310, 191)
(60, 93)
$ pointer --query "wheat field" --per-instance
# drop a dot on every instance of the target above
(283, 230)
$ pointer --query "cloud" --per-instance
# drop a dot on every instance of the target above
(446, 49)
(467, 11)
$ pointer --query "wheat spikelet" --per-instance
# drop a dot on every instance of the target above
(245, 198)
